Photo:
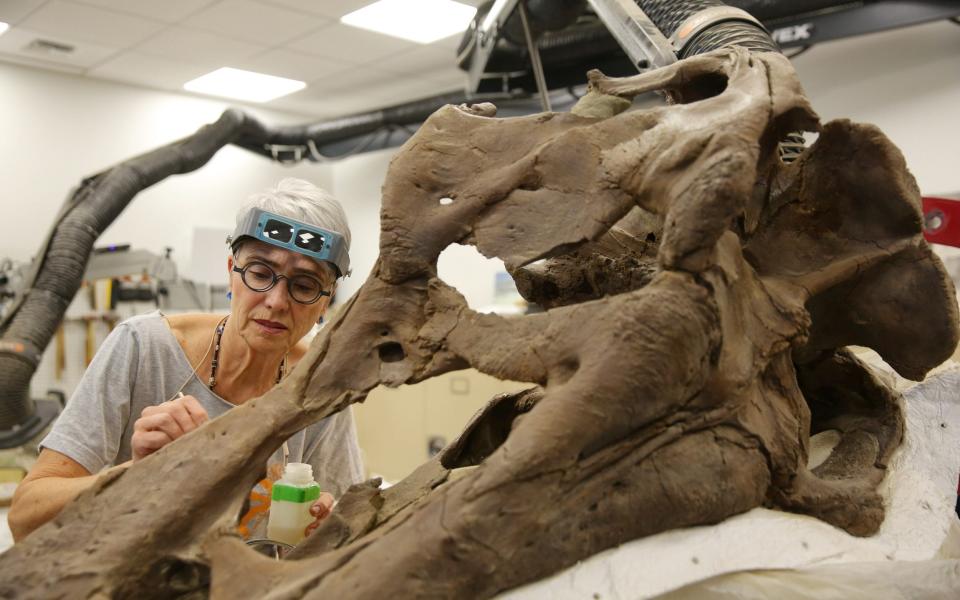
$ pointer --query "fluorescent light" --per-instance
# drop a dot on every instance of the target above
(421, 21)
(243, 85)
(3, 27)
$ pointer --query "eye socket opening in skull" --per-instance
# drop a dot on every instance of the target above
(489, 429)
(391, 352)
(484, 282)
(623, 259)
(854, 419)
(703, 87)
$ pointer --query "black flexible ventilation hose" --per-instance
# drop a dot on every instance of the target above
(544, 16)
(669, 15)
(593, 39)
(62, 259)
(353, 126)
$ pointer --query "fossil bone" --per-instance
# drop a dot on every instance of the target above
(701, 294)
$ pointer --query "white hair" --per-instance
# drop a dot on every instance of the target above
(303, 201)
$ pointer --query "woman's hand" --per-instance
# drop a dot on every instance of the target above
(320, 509)
(161, 424)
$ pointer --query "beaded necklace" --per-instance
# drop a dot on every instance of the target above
(215, 361)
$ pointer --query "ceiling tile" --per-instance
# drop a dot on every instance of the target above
(451, 43)
(264, 24)
(87, 23)
(13, 11)
(337, 8)
(350, 44)
(131, 67)
(14, 42)
(324, 104)
(350, 80)
(359, 102)
(295, 65)
(419, 59)
(450, 78)
(407, 88)
(340, 105)
(348, 70)
(198, 47)
(313, 109)
(169, 11)
(328, 8)
(386, 92)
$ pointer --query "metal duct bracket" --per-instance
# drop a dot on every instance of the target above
(286, 154)
(642, 41)
(485, 39)
(708, 17)
(535, 60)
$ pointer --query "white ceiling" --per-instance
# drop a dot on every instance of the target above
(162, 44)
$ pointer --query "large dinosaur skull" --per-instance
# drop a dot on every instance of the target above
(701, 292)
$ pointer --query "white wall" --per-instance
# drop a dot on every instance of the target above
(357, 183)
(907, 82)
(58, 129)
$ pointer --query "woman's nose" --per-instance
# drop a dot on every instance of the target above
(279, 295)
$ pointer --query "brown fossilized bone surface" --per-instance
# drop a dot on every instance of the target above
(700, 294)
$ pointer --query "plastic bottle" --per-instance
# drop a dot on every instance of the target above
(290, 502)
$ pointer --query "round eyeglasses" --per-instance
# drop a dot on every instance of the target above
(259, 277)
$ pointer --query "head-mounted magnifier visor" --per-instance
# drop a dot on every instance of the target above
(294, 235)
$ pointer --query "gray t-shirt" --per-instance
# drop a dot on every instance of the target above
(141, 364)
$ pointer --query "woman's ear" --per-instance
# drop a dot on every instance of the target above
(230, 263)
(327, 301)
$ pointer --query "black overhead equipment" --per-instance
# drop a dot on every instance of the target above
(571, 43)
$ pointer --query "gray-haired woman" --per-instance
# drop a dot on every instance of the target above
(157, 377)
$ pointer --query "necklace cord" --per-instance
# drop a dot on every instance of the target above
(215, 343)
(215, 361)
(196, 367)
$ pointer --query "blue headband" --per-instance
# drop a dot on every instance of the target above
(296, 236)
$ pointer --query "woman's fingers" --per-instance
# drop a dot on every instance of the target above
(161, 424)
(322, 506)
(145, 443)
(161, 421)
(197, 412)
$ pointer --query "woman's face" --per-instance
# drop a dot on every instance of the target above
(272, 321)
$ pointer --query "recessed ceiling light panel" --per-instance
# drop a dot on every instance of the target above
(3, 27)
(243, 85)
(421, 21)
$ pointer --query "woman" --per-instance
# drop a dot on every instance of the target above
(158, 377)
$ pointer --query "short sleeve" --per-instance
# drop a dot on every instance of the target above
(90, 428)
(335, 454)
